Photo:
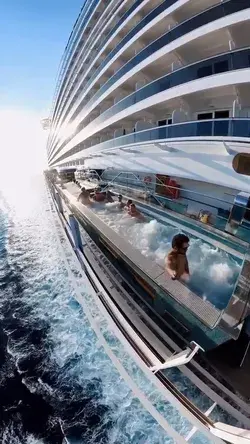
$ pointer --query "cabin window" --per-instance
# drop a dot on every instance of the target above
(165, 122)
(213, 115)
(221, 114)
(204, 116)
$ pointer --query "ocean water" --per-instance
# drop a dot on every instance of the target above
(214, 272)
(57, 384)
(54, 380)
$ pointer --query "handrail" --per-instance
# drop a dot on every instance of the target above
(181, 76)
(164, 39)
(68, 50)
(74, 73)
(162, 184)
(163, 134)
(119, 24)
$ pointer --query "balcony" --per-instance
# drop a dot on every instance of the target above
(216, 12)
(232, 61)
(217, 129)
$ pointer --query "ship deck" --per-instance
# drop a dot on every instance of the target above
(237, 377)
(203, 309)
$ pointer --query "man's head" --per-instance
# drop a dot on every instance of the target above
(180, 242)
(83, 189)
(129, 202)
(120, 198)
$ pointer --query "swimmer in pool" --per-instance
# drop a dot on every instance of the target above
(133, 212)
(84, 197)
(98, 196)
(127, 205)
(176, 261)
(121, 204)
(109, 197)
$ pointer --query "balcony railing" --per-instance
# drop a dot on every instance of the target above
(214, 13)
(231, 61)
(82, 21)
(235, 128)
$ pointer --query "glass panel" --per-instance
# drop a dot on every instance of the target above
(240, 128)
(212, 14)
(221, 128)
(204, 129)
(204, 71)
(221, 66)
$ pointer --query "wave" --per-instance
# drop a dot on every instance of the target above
(57, 383)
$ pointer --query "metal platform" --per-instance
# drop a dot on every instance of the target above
(203, 310)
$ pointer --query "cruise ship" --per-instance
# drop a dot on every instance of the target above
(153, 102)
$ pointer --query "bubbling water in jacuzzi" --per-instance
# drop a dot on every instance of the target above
(214, 272)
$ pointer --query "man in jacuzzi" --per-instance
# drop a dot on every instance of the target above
(121, 204)
(84, 197)
(127, 205)
(176, 261)
(133, 212)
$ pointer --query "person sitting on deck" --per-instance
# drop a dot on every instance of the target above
(84, 197)
(109, 197)
(121, 204)
(133, 212)
(176, 261)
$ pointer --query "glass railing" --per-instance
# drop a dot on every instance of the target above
(158, 10)
(74, 74)
(214, 13)
(231, 61)
(238, 59)
(109, 35)
(223, 9)
(233, 127)
(211, 14)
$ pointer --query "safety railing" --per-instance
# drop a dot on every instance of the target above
(230, 61)
(222, 10)
(202, 129)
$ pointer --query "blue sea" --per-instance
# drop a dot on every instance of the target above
(57, 384)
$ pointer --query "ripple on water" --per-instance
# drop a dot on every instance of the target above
(55, 378)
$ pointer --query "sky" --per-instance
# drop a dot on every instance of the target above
(33, 35)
